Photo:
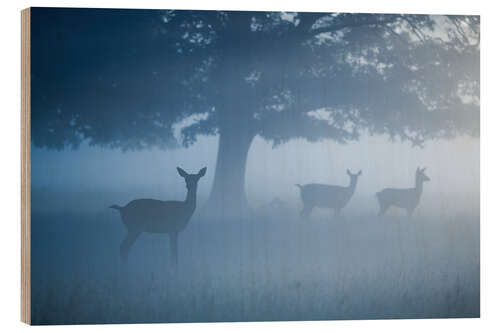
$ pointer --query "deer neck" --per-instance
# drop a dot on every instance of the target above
(419, 185)
(352, 186)
(191, 198)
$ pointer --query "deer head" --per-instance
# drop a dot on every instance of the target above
(354, 176)
(191, 179)
(420, 176)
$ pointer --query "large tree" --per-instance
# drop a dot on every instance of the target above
(124, 78)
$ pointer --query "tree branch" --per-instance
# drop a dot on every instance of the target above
(307, 20)
(375, 20)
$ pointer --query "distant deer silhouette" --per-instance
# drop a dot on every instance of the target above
(159, 217)
(407, 198)
(328, 196)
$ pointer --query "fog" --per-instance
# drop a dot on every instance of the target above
(269, 264)
(265, 101)
(453, 167)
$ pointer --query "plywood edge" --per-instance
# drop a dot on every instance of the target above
(25, 168)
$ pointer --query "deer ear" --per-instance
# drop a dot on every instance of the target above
(182, 172)
(418, 169)
(423, 169)
(202, 172)
(360, 172)
(349, 172)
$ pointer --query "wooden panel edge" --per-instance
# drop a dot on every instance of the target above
(25, 168)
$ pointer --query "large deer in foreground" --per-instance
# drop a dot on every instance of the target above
(328, 196)
(159, 217)
(407, 198)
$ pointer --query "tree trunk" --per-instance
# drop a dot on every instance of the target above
(228, 197)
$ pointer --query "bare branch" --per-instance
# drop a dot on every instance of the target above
(375, 20)
(416, 30)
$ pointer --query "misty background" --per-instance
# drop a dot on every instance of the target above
(266, 265)
(271, 172)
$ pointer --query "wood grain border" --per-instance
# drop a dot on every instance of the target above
(25, 168)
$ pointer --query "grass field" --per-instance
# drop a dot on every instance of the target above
(269, 266)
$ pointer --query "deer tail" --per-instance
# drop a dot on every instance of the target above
(118, 208)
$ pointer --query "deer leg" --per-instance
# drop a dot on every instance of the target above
(409, 211)
(174, 247)
(127, 243)
(383, 209)
(306, 211)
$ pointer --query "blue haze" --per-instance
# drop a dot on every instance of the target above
(266, 264)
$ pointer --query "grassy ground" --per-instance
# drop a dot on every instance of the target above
(271, 266)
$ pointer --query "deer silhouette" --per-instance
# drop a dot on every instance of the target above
(327, 196)
(159, 217)
(407, 198)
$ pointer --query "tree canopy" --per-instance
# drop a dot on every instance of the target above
(123, 78)
(126, 78)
